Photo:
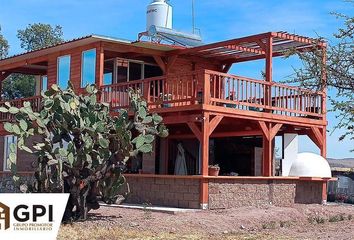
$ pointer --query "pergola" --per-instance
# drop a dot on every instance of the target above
(260, 46)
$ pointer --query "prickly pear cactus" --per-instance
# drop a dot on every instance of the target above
(84, 148)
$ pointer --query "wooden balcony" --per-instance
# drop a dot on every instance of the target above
(190, 91)
(176, 92)
(35, 103)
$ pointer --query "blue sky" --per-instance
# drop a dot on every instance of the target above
(217, 19)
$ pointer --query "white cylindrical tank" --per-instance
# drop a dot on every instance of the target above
(310, 165)
(159, 13)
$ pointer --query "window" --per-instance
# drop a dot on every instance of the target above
(122, 70)
(118, 70)
(88, 67)
(44, 86)
(8, 140)
(63, 74)
(108, 72)
(135, 71)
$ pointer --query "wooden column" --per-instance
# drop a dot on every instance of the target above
(269, 59)
(268, 72)
(208, 126)
(204, 141)
(204, 194)
(99, 66)
(324, 143)
(324, 101)
(324, 192)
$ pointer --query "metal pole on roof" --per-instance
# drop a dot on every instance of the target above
(193, 17)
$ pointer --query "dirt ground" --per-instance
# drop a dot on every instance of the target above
(333, 221)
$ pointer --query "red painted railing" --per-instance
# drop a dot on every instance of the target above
(256, 95)
(191, 88)
(225, 90)
(35, 104)
(164, 91)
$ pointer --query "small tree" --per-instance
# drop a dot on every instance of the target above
(4, 46)
(84, 148)
(339, 69)
(39, 35)
(33, 37)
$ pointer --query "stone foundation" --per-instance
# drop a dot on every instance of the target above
(164, 191)
(233, 193)
(7, 184)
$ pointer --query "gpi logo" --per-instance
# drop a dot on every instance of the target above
(4, 217)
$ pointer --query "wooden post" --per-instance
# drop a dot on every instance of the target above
(324, 192)
(206, 88)
(269, 62)
(205, 144)
(324, 142)
(204, 196)
(268, 72)
(324, 101)
(267, 153)
(99, 66)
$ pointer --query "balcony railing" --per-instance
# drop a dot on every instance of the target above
(165, 91)
(256, 95)
(35, 104)
(208, 88)
(225, 91)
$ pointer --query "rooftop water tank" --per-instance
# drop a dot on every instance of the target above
(310, 165)
(159, 14)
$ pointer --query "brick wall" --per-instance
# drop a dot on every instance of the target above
(232, 193)
(180, 192)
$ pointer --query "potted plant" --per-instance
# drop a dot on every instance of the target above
(214, 170)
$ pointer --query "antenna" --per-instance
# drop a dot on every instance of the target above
(193, 17)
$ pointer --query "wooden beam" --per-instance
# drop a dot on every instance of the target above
(232, 48)
(318, 137)
(4, 75)
(180, 119)
(28, 71)
(263, 116)
(264, 129)
(275, 130)
(161, 63)
(249, 133)
(220, 44)
(124, 48)
(195, 129)
(170, 62)
(261, 44)
(226, 67)
(214, 123)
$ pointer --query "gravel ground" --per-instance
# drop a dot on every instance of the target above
(334, 221)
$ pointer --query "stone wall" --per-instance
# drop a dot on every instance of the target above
(24, 159)
(233, 193)
(164, 191)
(6, 182)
